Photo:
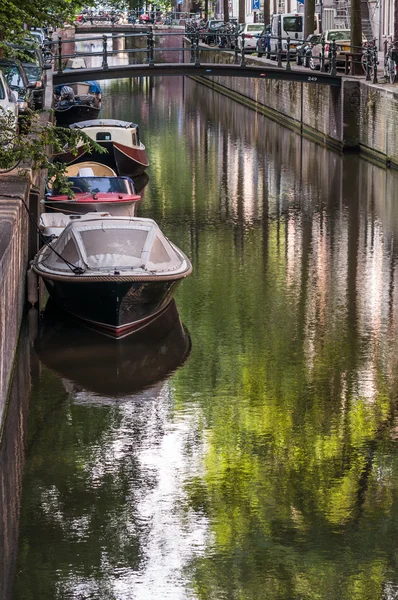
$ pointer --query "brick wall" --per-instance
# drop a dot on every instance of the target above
(13, 261)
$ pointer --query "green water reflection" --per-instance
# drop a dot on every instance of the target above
(266, 466)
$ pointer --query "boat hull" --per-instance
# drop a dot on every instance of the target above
(127, 161)
(113, 307)
(76, 113)
(116, 209)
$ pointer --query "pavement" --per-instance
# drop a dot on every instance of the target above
(272, 63)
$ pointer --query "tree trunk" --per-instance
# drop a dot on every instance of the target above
(309, 17)
(266, 12)
(226, 11)
(242, 11)
(396, 20)
(206, 16)
(356, 35)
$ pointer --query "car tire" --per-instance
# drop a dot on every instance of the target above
(313, 65)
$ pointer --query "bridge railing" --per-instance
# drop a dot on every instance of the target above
(281, 49)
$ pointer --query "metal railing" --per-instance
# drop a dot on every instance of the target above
(283, 51)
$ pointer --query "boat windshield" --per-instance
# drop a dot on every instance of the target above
(100, 185)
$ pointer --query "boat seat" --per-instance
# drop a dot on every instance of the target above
(86, 172)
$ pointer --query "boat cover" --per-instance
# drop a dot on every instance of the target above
(114, 243)
(103, 123)
(95, 88)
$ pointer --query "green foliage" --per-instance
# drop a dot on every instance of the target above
(30, 148)
(16, 14)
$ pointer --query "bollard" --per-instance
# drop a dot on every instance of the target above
(59, 55)
(191, 40)
(288, 65)
(236, 50)
(148, 46)
(151, 61)
(375, 61)
(105, 52)
(333, 67)
(368, 65)
(242, 59)
(323, 70)
(279, 51)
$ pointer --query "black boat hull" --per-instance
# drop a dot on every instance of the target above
(75, 114)
(115, 308)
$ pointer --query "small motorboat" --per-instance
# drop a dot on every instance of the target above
(77, 101)
(70, 107)
(52, 224)
(117, 274)
(94, 188)
(126, 153)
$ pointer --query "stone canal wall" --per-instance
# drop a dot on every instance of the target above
(14, 250)
(378, 122)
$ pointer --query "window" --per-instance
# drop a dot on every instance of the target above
(342, 34)
(13, 76)
(134, 136)
(103, 136)
(294, 24)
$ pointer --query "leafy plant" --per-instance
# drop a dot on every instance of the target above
(37, 144)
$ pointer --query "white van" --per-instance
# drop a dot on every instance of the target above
(289, 25)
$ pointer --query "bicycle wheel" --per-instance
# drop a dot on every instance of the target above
(391, 71)
(8, 165)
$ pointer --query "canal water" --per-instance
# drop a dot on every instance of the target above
(247, 450)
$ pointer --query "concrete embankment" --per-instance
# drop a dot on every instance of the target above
(19, 191)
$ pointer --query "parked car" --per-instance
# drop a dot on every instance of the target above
(8, 99)
(263, 45)
(208, 34)
(145, 18)
(342, 37)
(303, 52)
(32, 61)
(252, 32)
(38, 35)
(18, 82)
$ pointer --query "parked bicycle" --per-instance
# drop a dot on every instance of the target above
(391, 62)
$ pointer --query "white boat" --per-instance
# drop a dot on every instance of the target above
(117, 274)
(125, 151)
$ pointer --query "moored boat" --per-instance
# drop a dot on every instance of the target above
(70, 107)
(125, 151)
(116, 274)
(94, 188)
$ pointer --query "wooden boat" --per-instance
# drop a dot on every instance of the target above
(126, 153)
(115, 273)
(96, 188)
(93, 365)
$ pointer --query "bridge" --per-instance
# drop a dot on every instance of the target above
(145, 54)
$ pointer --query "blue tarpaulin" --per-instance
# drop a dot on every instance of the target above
(94, 87)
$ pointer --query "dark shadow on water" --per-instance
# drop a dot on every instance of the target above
(107, 367)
